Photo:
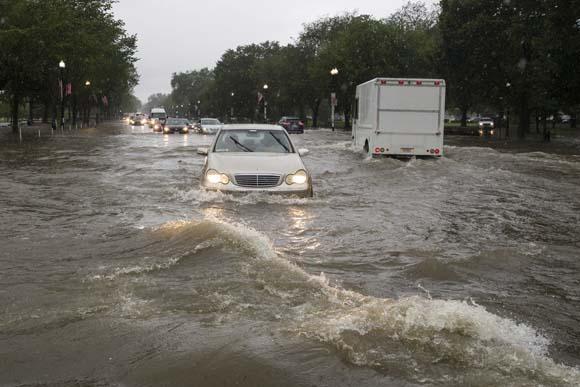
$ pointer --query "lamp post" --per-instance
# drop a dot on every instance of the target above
(61, 66)
(232, 108)
(87, 117)
(333, 74)
(508, 85)
(198, 109)
(265, 87)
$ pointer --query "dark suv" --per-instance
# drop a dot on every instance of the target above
(292, 124)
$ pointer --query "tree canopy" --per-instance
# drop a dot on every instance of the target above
(99, 56)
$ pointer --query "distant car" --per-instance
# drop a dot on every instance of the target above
(157, 125)
(255, 158)
(172, 125)
(137, 120)
(292, 124)
(486, 126)
(209, 125)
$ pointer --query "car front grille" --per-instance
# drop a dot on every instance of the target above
(257, 180)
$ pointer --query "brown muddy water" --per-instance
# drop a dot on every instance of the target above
(116, 270)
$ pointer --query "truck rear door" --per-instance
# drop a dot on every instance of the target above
(410, 109)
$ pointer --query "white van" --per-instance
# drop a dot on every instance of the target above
(400, 117)
(158, 114)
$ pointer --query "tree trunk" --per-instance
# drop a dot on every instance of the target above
(74, 111)
(14, 113)
(315, 108)
(524, 116)
(30, 111)
(545, 130)
(464, 116)
(538, 116)
(573, 121)
(347, 123)
(45, 112)
(302, 114)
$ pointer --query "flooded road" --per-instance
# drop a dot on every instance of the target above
(116, 270)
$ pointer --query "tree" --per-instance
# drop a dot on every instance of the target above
(36, 35)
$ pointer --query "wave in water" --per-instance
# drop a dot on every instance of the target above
(425, 340)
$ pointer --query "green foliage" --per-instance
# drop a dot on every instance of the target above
(36, 35)
(298, 75)
(517, 54)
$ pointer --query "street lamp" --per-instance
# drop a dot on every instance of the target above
(333, 74)
(87, 112)
(61, 66)
(265, 87)
(232, 108)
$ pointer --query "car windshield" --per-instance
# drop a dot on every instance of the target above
(210, 121)
(291, 119)
(177, 121)
(271, 141)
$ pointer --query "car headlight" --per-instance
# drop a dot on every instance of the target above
(214, 177)
(480, 131)
(166, 129)
(157, 126)
(491, 132)
(481, 124)
(300, 177)
(185, 129)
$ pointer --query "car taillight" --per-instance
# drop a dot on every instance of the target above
(301, 123)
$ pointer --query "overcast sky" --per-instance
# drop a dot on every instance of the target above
(183, 35)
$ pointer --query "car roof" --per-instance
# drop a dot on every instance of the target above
(252, 127)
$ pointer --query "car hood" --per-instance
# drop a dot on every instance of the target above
(246, 162)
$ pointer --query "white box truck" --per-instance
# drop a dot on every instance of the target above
(400, 117)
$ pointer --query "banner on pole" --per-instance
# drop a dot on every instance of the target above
(333, 99)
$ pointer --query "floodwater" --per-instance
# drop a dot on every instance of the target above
(116, 270)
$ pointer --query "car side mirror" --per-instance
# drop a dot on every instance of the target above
(202, 151)
(303, 152)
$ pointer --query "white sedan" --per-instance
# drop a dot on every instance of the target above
(210, 125)
(255, 158)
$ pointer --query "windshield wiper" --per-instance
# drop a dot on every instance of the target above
(245, 148)
(280, 142)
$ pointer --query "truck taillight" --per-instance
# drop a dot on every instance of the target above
(377, 150)
(437, 151)
(419, 83)
(437, 83)
(401, 83)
